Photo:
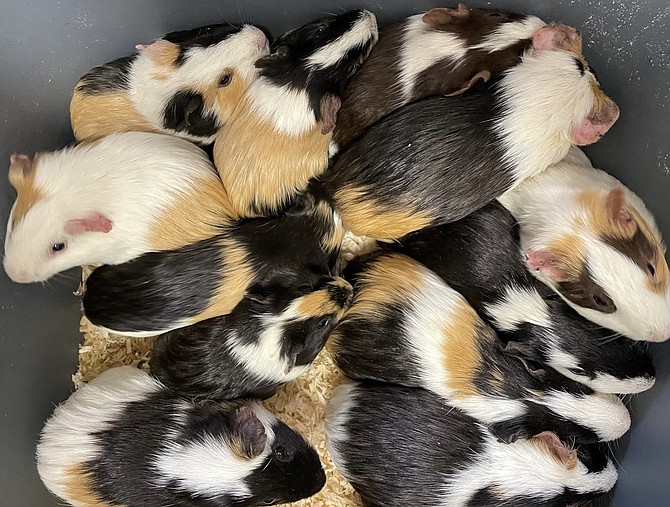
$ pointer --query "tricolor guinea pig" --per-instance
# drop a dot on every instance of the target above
(400, 446)
(439, 159)
(443, 51)
(279, 136)
(126, 439)
(270, 338)
(161, 291)
(595, 243)
(186, 83)
(406, 326)
(108, 202)
(480, 257)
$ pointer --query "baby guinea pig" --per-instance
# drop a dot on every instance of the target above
(270, 338)
(439, 159)
(407, 327)
(443, 51)
(126, 439)
(278, 138)
(480, 257)
(186, 83)
(400, 446)
(108, 202)
(595, 243)
(161, 291)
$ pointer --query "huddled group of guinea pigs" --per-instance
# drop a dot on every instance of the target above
(500, 307)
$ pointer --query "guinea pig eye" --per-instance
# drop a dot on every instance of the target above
(576, 371)
(270, 501)
(599, 301)
(651, 269)
(323, 323)
(57, 247)
(321, 29)
(225, 79)
(283, 454)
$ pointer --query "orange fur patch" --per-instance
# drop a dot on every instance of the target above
(320, 302)
(27, 192)
(366, 217)
(78, 489)
(570, 253)
(224, 98)
(95, 116)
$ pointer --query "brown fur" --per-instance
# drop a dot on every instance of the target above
(262, 168)
(224, 98)
(550, 444)
(79, 489)
(570, 255)
(163, 53)
(320, 303)
(364, 217)
(192, 217)
(95, 116)
(22, 178)
(239, 448)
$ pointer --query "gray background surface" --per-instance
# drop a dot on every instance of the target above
(46, 45)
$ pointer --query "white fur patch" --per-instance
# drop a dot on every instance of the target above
(423, 47)
(287, 108)
(510, 33)
(337, 416)
(516, 306)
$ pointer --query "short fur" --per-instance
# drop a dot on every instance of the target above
(94, 199)
(426, 335)
(603, 252)
(278, 137)
(125, 439)
(480, 257)
(442, 52)
(186, 83)
(267, 340)
(400, 446)
(441, 158)
(161, 291)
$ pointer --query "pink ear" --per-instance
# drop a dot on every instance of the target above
(482, 75)
(159, 49)
(441, 16)
(93, 222)
(555, 37)
(617, 211)
(563, 454)
(541, 260)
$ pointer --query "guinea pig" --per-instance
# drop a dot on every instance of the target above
(596, 244)
(108, 202)
(401, 446)
(161, 291)
(406, 326)
(186, 83)
(270, 338)
(126, 439)
(278, 137)
(443, 51)
(439, 159)
(480, 257)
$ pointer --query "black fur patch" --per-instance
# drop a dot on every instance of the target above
(202, 37)
(184, 112)
(108, 78)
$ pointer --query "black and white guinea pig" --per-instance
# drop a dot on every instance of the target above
(270, 338)
(443, 51)
(126, 439)
(161, 291)
(407, 327)
(595, 243)
(91, 204)
(439, 159)
(279, 136)
(400, 446)
(480, 257)
(186, 83)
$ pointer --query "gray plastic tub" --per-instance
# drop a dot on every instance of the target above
(46, 45)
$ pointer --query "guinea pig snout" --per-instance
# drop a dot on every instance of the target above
(17, 275)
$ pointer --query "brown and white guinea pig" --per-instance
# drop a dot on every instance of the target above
(108, 202)
(161, 291)
(595, 243)
(270, 338)
(126, 439)
(279, 136)
(186, 83)
(439, 159)
(407, 327)
(443, 51)
(400, 446)
(480, 257)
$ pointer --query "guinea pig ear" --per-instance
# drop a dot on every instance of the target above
(329, 106)
(161, 52)
(249, 432)
(615, 204)
(558, 450)
(92, 222)
(440, 16)
(281, 53)
(557, 36)
(522, 350)
(482, 75)
(547, 263)
(20, 166)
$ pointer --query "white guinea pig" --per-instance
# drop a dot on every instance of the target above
(595, 243)
(109, 201)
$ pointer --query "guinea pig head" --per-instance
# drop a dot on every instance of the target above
(43, 238)
(320, 57)
(191, 81)
(610, 267)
